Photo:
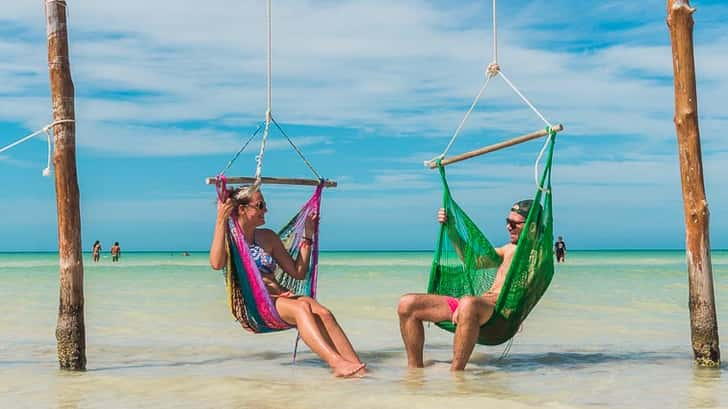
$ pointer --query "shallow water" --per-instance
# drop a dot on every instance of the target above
(613, 331)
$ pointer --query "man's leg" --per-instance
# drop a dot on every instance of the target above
(473, 312)
(412, 310)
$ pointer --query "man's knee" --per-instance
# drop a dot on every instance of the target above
(470, 308)
(407, 305)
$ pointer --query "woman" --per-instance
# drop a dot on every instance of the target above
(96, 251)
(317, 326)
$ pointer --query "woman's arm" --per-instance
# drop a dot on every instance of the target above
(218, 254)
(298, 268)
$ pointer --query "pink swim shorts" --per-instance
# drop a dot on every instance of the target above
(452, 303)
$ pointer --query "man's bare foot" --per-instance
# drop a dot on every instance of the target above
(350, 369)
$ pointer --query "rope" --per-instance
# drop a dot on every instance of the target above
(259, 158)
(235, 157)
(268, 113)
(495, 36)
(300, 154)
(269, 89)
(47, 170)
(462, 123)
(491, 71)
(505, 78)
(540, 155)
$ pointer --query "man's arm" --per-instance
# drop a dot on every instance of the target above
(462, 247)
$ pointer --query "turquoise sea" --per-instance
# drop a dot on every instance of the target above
(612, 331)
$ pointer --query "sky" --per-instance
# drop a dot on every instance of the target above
(167, 92)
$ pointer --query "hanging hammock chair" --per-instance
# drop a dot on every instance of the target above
(472, 270)
(247, 295)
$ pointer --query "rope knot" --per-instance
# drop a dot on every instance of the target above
(493, 69)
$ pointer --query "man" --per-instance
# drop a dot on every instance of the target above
(560, 250)
(469, 313)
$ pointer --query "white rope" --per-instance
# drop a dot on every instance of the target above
(259, 158)
(505, 78)
(269, 95)
(300, 154)
(538, 159)
(492, 71)
(45, 129)
(269, 12)
(462, 123)
(495, 36)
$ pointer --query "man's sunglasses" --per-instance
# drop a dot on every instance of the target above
(513, 224)
(260, 205)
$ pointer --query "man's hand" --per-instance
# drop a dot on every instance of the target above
(455, 315)
(442, 216)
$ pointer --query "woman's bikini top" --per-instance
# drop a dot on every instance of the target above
(265, 262)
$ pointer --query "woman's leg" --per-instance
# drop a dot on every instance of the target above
(299, 313)
(332, 330)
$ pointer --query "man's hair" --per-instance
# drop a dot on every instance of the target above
(522, 207)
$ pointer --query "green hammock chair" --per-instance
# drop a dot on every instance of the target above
(473, 271)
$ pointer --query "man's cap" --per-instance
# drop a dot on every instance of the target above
(522, 207)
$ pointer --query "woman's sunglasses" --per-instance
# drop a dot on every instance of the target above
(260, 205)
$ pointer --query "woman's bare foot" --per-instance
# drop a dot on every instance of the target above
(350, 369)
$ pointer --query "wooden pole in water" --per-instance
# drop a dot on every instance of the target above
(703, 320)
(70, 330)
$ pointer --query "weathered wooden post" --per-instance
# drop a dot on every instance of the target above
(70, 331)
(703, 320)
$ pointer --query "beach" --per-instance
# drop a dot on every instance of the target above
(612, 331)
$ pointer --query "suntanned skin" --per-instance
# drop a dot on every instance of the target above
(470, 315)
(316, 324)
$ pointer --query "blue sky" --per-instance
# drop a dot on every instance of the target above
(166, 94)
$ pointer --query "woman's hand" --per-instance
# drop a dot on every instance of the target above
(310, 227)
(224, 210)
(442, 216)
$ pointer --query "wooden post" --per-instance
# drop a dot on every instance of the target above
(70, 330)
(703, 320)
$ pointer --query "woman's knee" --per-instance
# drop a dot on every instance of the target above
(302, 308)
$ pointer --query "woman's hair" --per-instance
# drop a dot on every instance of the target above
(241, 195)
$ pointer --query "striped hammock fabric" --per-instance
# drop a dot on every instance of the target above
(248, 297)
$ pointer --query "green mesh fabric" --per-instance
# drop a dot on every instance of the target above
(465, 262)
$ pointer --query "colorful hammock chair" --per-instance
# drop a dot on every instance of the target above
(472, 272)
(248, 298)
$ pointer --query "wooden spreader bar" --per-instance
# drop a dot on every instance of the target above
(274, 181)
(495, 147)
